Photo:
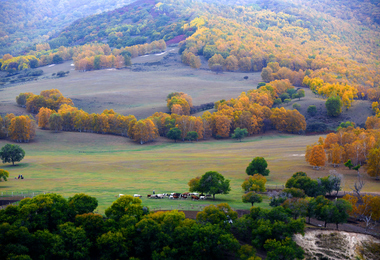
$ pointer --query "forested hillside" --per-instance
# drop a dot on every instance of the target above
(335, 41)
(25, 22)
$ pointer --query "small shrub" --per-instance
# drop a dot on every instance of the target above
(316, 127)
(312, 110)
(287, 100)
(261, 84)
(53, 74)
(61, 73)
(277, 101)
(296, 106)
(284, 96)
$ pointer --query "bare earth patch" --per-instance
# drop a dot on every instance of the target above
(332, 245)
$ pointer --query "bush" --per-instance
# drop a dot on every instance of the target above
(316, 127)
(261, 84)
(61, 73)
(35, 73)
(287, 100)
(277, 101)
(296, 106)
(312, 110)
(334, 106)
(284, 96)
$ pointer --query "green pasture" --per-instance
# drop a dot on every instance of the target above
(105, 166)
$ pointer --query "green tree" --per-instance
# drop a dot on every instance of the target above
(45, 211)
(21, 99)
(252, 197)
(334, 106)
(349, 164)
(113, 245)
(217, 215)
(258, 165)
(239, 133)
(213, 183)
(300, 93)
(284, 96)
(342, 207)
(61, 73)
(191, 136)
(312, 110)
(296, 106)
(174, 133)
(57, 59)
(11, 153)
(125, 205)
(75, 240)
(311, 187)
(283, 249)
(82, 203)
(3, 175)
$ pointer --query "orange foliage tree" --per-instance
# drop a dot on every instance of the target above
(22, 129)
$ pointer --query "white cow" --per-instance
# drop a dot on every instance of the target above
(137, 196)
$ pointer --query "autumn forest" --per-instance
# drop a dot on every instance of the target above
(240, 127)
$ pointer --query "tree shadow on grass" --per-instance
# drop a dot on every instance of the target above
(4, 187)
(17, 165)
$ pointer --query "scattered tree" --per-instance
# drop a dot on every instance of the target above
(252, 197)
(213, 183)
(334, 106)
(191, 136)
(174, 134)
(11, 153)
(239, 133)
(258, 165)
(3, 175)
(312, 110)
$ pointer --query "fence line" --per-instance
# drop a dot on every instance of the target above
(25, 194)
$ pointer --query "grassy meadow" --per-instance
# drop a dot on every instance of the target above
(104, 166)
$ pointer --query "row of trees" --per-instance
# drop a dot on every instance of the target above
(57, 113)
(53, 227)
(86, 57)
(52, 99)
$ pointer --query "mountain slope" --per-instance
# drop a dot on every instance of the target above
(24, 22)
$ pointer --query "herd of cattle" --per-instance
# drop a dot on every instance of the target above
(186, 195)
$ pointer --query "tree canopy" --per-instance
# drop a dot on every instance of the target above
(211, 182)
(11, 153)
(258, 165)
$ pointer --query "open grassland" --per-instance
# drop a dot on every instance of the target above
(140, 90)
(105, 166)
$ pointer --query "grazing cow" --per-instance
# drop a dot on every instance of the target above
(148, 195)
(137, 196)
(121, 195)
(160, 196)
(202, 197)
(193, 197)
